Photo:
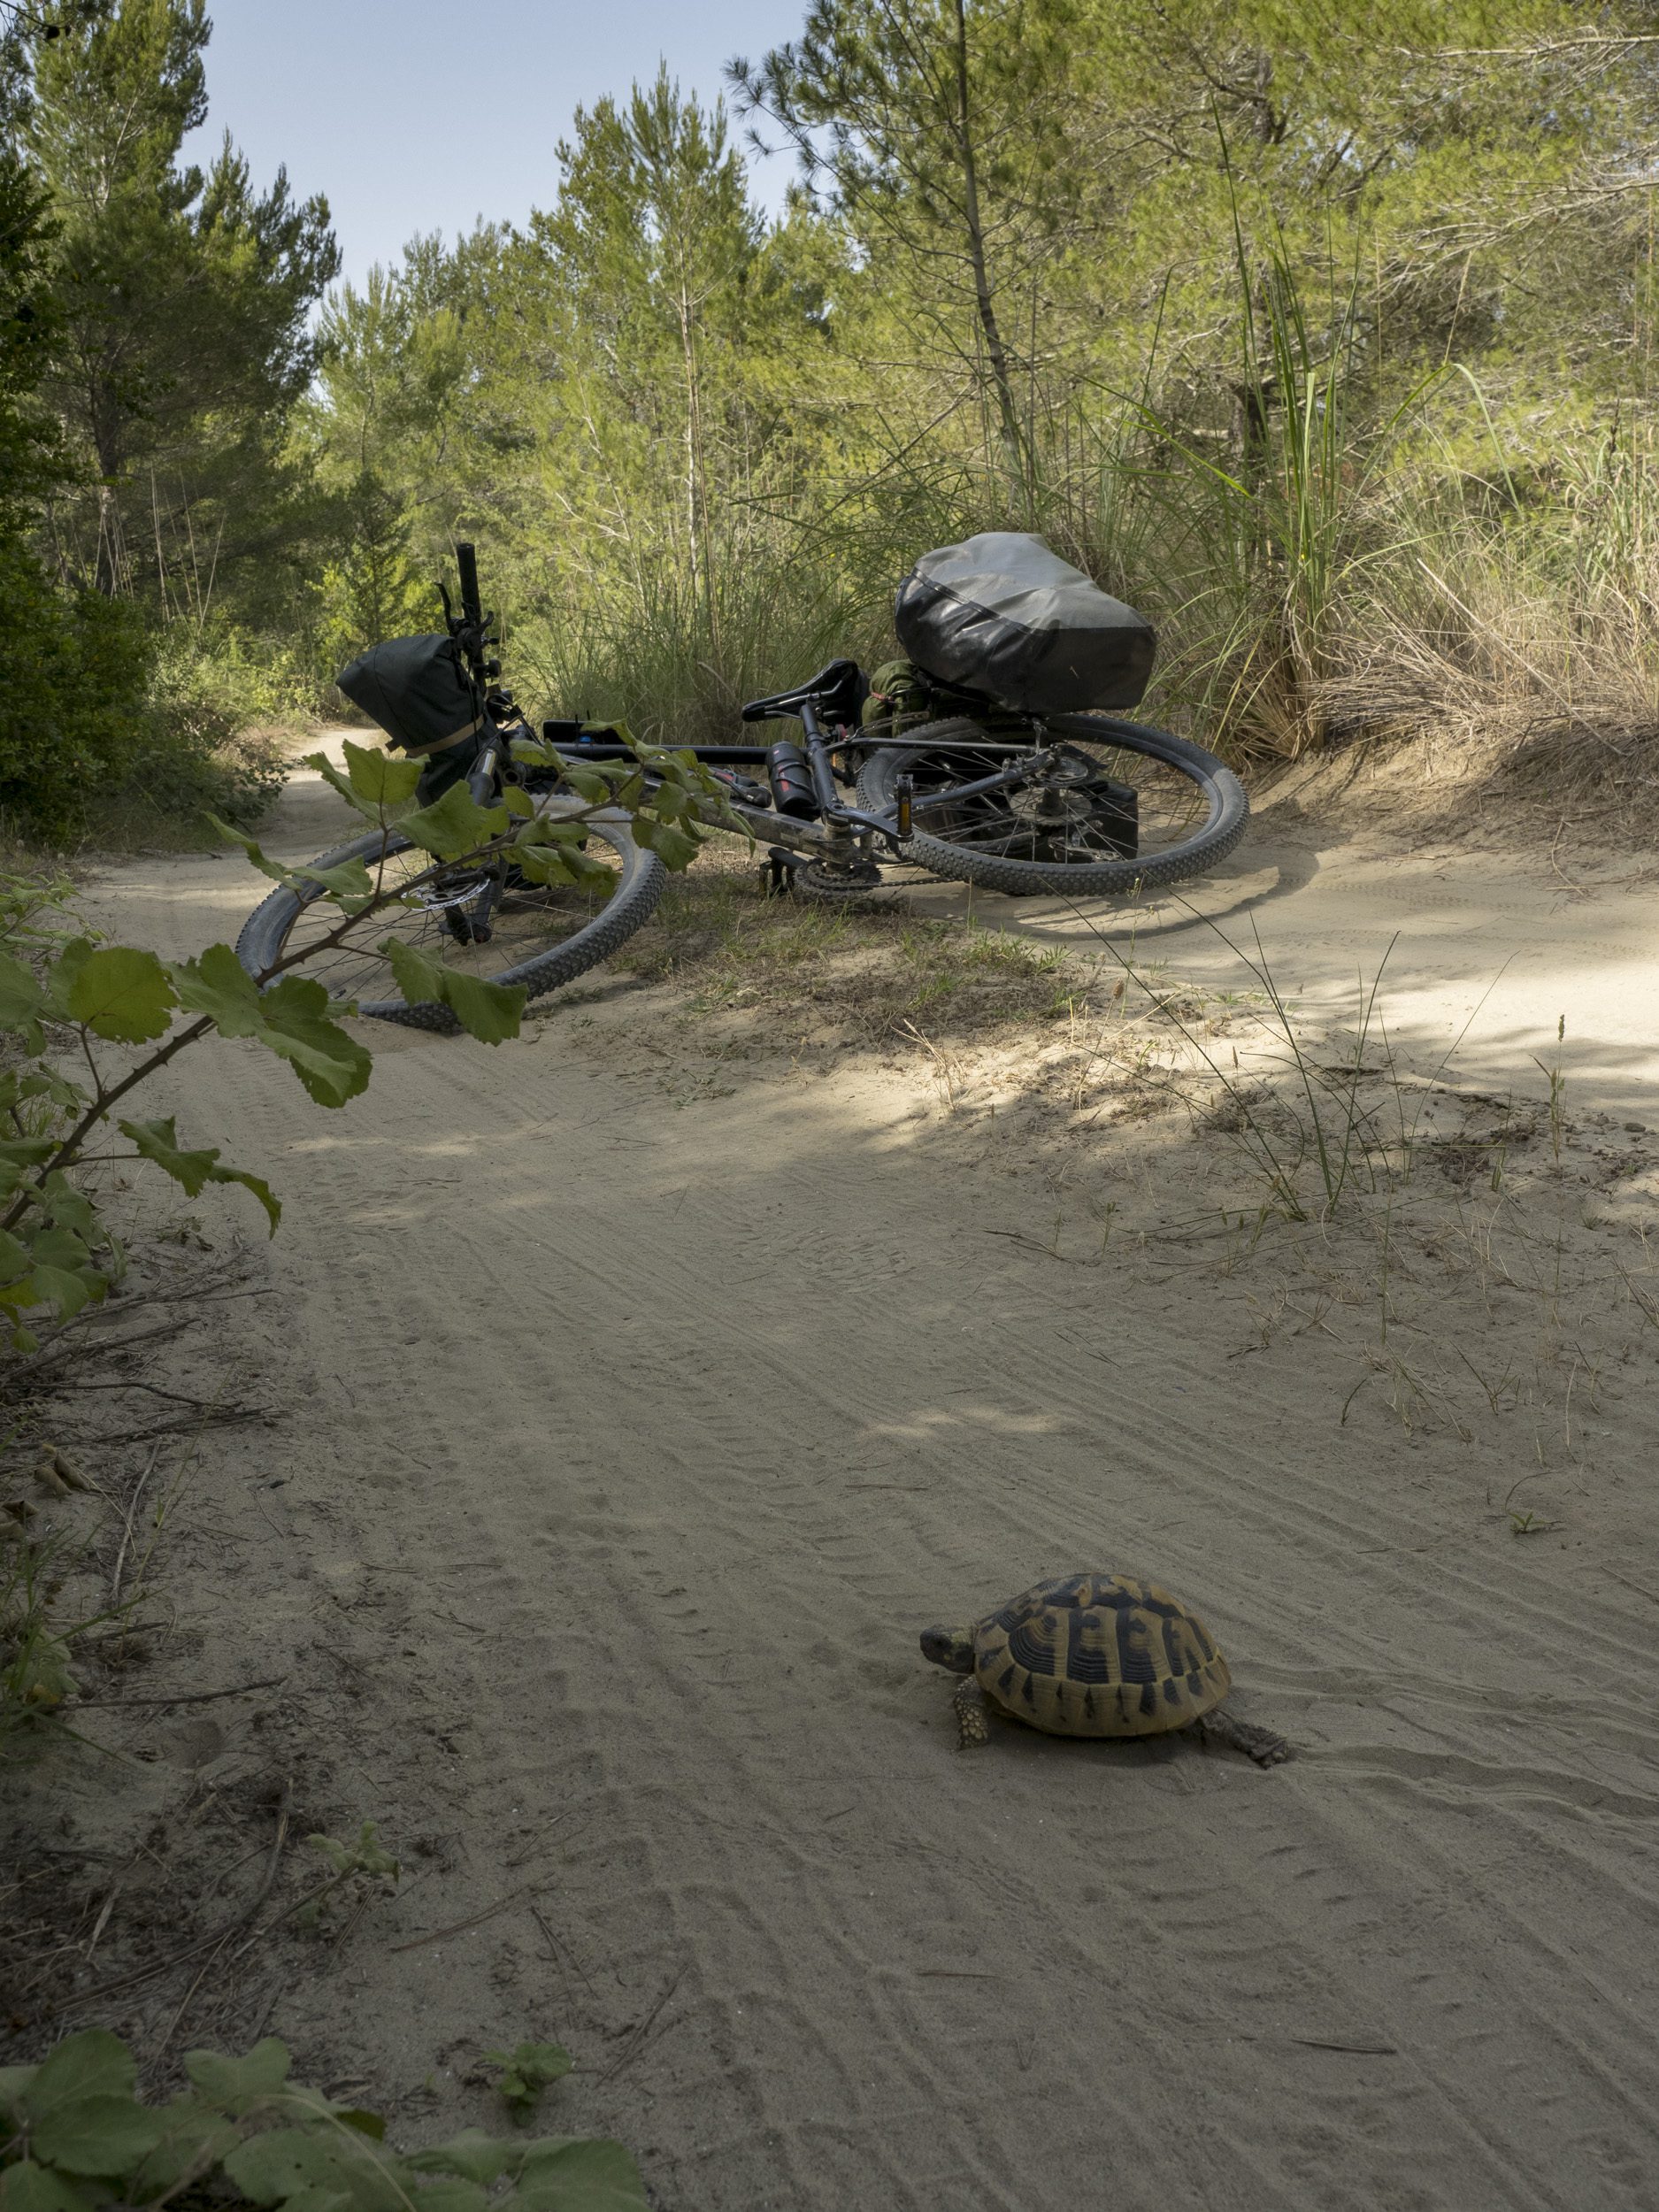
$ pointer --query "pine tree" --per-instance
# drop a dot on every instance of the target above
(182, 296)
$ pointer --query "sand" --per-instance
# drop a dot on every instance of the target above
(640, 1407)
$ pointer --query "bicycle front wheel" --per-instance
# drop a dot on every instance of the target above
(491, 922)
(1105, 808)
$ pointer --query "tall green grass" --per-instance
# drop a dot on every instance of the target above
(1329, 553)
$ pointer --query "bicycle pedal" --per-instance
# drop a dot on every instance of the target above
(777, 874)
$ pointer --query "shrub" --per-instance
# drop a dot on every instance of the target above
(74, 671)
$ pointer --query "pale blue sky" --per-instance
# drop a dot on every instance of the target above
(421, 115)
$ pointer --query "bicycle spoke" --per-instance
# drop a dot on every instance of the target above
(523, 921)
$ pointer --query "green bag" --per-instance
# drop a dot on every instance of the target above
(901, 696)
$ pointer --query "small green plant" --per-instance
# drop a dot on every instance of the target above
(1557, 1079)
(38, 1634)
(34, 1655)
(527, 2071)
(364, 1861)
(75, 2134)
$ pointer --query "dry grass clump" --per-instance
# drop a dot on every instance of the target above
(869, 972)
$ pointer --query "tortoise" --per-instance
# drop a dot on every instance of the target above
(1095, 1655)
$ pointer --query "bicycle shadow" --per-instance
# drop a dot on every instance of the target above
(1257, 874)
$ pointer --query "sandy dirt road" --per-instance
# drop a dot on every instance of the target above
(635, 1421)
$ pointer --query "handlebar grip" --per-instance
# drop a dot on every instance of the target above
(466, 560)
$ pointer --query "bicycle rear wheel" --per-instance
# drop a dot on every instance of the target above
(491, 922)
(1108, 807)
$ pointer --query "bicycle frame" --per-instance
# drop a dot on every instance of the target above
(842, 831)
(841, 834)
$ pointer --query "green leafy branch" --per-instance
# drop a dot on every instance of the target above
(74, 2135)
(56, 1252)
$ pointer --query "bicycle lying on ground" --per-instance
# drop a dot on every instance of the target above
(487, 918)
(1076, 805)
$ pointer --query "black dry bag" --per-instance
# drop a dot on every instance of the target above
(1001, 614)
(418, 689)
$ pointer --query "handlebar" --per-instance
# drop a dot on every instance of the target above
(472, 607)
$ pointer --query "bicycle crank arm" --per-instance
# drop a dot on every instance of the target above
(778, 829)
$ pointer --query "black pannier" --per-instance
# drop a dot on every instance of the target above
(418, 689)
(1001, 614)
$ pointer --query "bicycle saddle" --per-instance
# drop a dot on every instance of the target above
(837, 691)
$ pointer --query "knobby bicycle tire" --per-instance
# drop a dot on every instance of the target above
(641, 877)
(1227, 811)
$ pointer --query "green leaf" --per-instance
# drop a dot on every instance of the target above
(275, 2165)
(100, 2134)
(330, 774)
(534, 752)
(289, 1018)
(472, 2155)
(556, 852)
(233, 2083)
(218, 985)
(453, 824)
(366, 1856)
(376, 777)
(13, 2081)
(21, 997)
(69, 963)
(674, 847)
(15, 1260)
(534, 2064)
(347, 881)
(193, 2140)
(566, 2175)
(588, 783)
(93, 2063)
(451, 2196)
(159, 1141)
(65, 1290)
(58, 1248)
(232, 835)
(120, 993)
(488, 1011)
(27, 2187)
(70, 1208)
(419, 978)
(319, 2200)
(27, 1151)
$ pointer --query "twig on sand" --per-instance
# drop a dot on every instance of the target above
(126, 1528)
(214, 1941)
(184, 1697)
(635, 2043)
(436, 1935)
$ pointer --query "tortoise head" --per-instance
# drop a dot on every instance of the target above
(951, 1648)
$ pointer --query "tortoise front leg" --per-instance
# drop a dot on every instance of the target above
(972, 1726)
(1260, 1744)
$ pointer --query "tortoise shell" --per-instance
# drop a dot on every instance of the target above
(1099, 1655)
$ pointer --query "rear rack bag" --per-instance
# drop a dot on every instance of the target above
(418, 689)
(1003, 614)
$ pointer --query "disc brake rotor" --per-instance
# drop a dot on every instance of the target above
(1049, 806)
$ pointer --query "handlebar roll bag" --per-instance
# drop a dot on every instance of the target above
(418, 689)
(1003, 614)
